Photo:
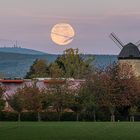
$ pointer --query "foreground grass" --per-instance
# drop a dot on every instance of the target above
(69, 131)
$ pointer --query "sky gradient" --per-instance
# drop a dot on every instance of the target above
(30, 22)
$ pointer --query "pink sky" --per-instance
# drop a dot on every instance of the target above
(30, 22)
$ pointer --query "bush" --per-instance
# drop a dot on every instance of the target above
(66, 116)
(29, 116)
(49, 116)
(8, 116)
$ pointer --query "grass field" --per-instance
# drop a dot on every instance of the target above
(69, 131)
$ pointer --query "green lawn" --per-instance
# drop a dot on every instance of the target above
(69, 131)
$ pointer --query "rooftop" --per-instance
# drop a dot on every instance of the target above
(129, 51)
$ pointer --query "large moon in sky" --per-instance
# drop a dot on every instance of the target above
(62, 34)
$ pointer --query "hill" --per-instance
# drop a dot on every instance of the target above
(20, 50)
(17, 65)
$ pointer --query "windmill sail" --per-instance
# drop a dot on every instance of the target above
(137, 43)
(117, 41)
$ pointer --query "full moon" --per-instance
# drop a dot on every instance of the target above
(62, 34)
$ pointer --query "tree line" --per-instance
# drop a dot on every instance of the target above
(113, 90)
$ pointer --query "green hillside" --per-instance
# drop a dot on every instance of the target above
(17, 65)
(20, 50)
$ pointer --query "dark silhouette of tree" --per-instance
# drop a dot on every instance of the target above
(132, 111)
(16, 101)
(2, 100)
(74, 64)
(33, 98)
(77, 101)
(60, 98)
(55, 71)
(90, 96)
(38, 69)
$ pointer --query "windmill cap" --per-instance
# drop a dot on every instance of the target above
(129, 51)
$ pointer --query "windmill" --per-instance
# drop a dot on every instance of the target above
(130, 53)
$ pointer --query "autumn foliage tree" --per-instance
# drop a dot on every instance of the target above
(129, 89)
(60, 98)
(77, 102)
(16, 101)
(2, 101)
(38, 69)
(114, 89)
(33, 98)
(117, 86)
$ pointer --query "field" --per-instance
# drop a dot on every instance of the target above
(69, 131)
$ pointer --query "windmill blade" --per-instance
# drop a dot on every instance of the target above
(116, 40)
(137, 43)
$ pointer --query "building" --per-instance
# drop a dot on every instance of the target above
(11, 85)
(130, 54)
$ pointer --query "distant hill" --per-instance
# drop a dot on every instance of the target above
(104, 60)
(17, 64)
(20, 50)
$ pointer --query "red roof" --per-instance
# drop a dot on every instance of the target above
(12, 81)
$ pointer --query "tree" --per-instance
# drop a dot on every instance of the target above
(33, 98)
(84, 98)
(16, 101)
(110, 79)
(38, 69)
(55, 71)
(132, 112)
(46, 100)
(60, 98)
(70, 64)
(129, 88)
(73, 64)
(90, 96)
(118, 87)
(77, 101)
(2, 101)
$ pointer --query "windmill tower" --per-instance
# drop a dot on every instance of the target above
(129, 54)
